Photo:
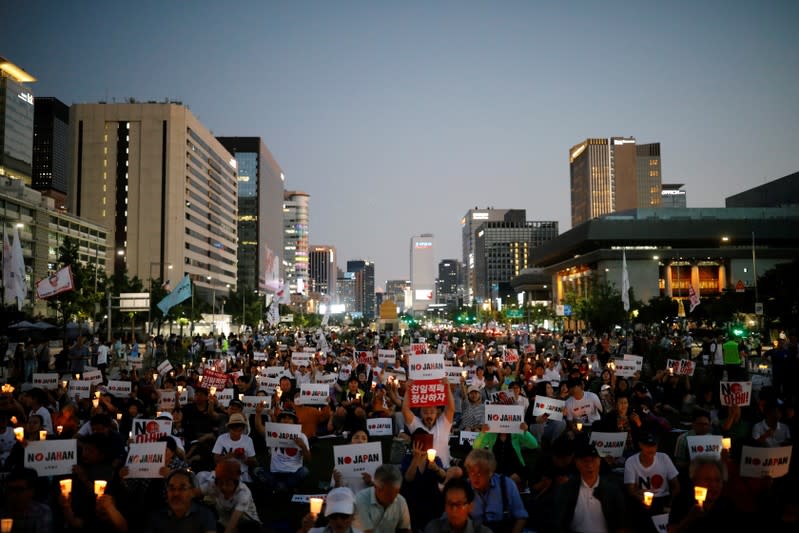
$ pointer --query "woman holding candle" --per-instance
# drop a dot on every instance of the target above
(421, 478)
(715, 512)
(507, 449)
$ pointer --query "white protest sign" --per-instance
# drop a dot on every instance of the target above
(762, 462)
(704, 446)
(148, 430)
(661, 522)
(313, 394)
(454, 374)
(638, 359)
(309, 349)
(146, 459)
(80, 389)
(467, 437)
(282, 435)
(274, 371)
(426, 367)
(379, 427)
(164, 367)
(551, 406)
(223, 397)
(352, 460)
(736, 393)
(301, 358)
(609, 444)
(119, 388)
(251, 403)
(166, 399)
(625, 368)
(183, 397)
(95, 377)
(135, 363)
(51, 457)
(504, 418)
(387, 357)
(47, 381)
(259, 356)
(327, 378)
(398, 375)
(267, 384)
(680, 367)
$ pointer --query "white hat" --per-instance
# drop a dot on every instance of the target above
(340, 500)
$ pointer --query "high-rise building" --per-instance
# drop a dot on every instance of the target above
(322, 270)
(673, 195)
(364, 275)
(345, 287)
(449, 283)
(423, 271)
(260, 222)
(780, 192)
(502, 251)
(51, 149)
(469, 223)
(16, 122)
(163, 185)
(295, 240)
(396, 290)
(613, 174)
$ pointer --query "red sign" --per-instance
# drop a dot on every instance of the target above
(428, 393)
(739, 287)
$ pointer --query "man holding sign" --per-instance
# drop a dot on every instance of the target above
(432, 419)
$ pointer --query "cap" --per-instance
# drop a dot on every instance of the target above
(605, 387)
(236, 418)
(165, 415)
(585, 449)
(473, 388)
(236, 403)
(640, 387)
(288, 412)
(648, 439)
(340, 500)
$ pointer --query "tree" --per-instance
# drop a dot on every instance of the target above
(79, 303)
(600, 307)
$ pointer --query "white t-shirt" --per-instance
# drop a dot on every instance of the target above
(240, 501)
(588, 516)
(440, 432)
(654, 478)
(243, 447)
(47, 420)
(287, 459)
(102, 354)
(7, 440)
(781, 434)
(587, 410)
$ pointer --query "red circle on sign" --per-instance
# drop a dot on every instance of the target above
(152, 427)
(755, 461)
(347, 460)
(39, 456)
(657, 481)
(700, 448)
(736, 388)
(599, 444)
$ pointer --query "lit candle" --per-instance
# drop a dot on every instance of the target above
(700, 493)
(726, 443)
(59, 429)
(431, 454)
(64, 383)
(19, 433)
(6, 524)
(13, 420)
(241, 397)
(99, 487)
(77, 376)
(66, 487)
(213, 391)
(155, 377)
(671, 371)
(316, 506)
(42, 434)
(579, 426)
(97, 394)
(464, 374)
(648, 496)
(157, 414)
(180, 389)
(200, 379)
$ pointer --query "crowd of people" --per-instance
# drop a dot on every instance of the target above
(221, 472)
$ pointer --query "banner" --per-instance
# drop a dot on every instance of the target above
(504, 418)
(79, 389)
(387, 357)
(48, 381)
(212, 378)
(95, 377)
(55, 284)
(609, 444)
(736, 393)
(282, 435)
(426, 367)
(380, 427)
(180, 293)
(145, 430)
(704, 446)
(418, 348)
(164, 367)
(551, 406)
(352, 460)
(313, 394)
(428, 393)
(762, 462)
(145, 460)
(119, 388)
(52, 457)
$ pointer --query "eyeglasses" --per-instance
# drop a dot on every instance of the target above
(477, 473)
(456, 505)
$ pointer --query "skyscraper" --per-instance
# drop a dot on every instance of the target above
(364, 291)
(16, 122)
(51, 149)
(395, 291)
(295, 240)
(449, 283)
(613, 174)
(423, 274)
(322, 270)
(260, 222)
(673, 195)
(164, 186)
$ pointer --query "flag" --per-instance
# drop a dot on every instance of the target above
(326, 318)
(18, 270)
(693, 297)
(625, 282)
(182, 292)
(283, 296)
(273, 313)
(55, 284)
(8, 279)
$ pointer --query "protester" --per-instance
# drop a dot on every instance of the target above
(339, 512)
(458, 503)
(381, 508)
(499, 505)
(182, 514)
(651, 470)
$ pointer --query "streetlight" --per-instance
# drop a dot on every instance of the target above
(213, 304)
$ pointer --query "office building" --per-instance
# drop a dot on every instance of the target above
(363, 273)
(449, 283)
(51, 149)
(163, 185)
(260, 220)
(673, 195)
(423, 273)
(295, 240)
(781, 192)
(345, 287)
(16, 122)
(396, 289)
(613, 174)
(322, 270)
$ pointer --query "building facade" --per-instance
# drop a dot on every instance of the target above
(260, 219)
(613, 174)
(781, 192)
(363, 273)
(51, 149)
(673, 195)
(165, 188)
(16, 122)
(295, 240)
(449, 283)
(396, 290)
(322, 271)
(422, 269)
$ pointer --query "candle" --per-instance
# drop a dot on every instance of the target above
(95, 403)
(155, 377)
(97, 394)
(157, 414)
(77, 376)
(316, 506)
(213, 391)
(671, 371)
(42, 434)
(431, 454)
(241, 397)
(464, 374)
(700, 493)
(64, 383)
(119, 417)
(180, 389)
(200, 379)
(6, 524)
(59, 429)
(99, 487)
(579, 426)
(66, 487)
(648, 496)
(726, 443)
(19, 433)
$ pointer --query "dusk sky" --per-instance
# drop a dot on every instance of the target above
(398, 117)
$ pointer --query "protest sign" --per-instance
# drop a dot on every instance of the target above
(47, 381)
(736, 393)
(259, 356)
(309, 349)
(550, 406)
(418, 348)
(120, 389)
(148, 430)
(183, 397)
(164, 367)
(426, 367)
(282, 435)
(510, 356)
(213, 378)
(379, 427)
(428, 393)
(661, 522)
(467, 437)
(251, 403)
(443, 347)
(79, 389)
(609, 444)
(625, 368)
(51, 457)
(267, 384)
(362, 356)
(704, 446)
(327, 378)
(166, 399)
(313, 394)
(135, 363)
(638, 359)
(398, 374)
(301, 358)
(387, 357)
(504, 418)
(146, 459)
(352, 460)
(762, 462)
(224, 396)
(95, 377)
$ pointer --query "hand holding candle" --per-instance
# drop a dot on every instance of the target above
(42, 434)
(19, 434)
(700, 494)
(648, 497)
(316, 506)
(99, 487)
(726, 443)
(431, 455)
(66, 487)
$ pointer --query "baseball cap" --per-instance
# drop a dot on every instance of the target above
(585, 449)
(340, 500)
(648, 438)
(473, 388)
(165, 415)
